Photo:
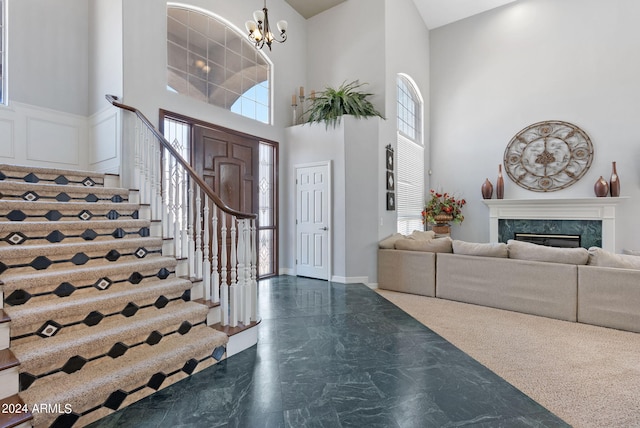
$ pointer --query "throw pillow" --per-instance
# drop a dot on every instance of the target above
(389, 242)
(631, 252)
(527, 251)
(600, 257)
(438, 245)
(483, 250)
(421, 235)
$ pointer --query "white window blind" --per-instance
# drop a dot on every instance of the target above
(410, 158)
(410, 185)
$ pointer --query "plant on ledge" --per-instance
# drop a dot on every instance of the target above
(331, 104)
(442, 208)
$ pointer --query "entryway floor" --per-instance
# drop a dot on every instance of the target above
(336, 355)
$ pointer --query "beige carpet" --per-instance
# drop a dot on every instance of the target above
(589, 376)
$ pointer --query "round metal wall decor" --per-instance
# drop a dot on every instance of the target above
(548, 156)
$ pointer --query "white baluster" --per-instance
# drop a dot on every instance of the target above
(233, 288)
(224, 298)
(190, 218)
(175, 195)
(254, 264)
(184, 251)
(164, 192)
(137, 171)
(144, 182)
(216, 270)
(206, 265)
(159, 208)
(241, 270)
(199, 260)
(246, 313)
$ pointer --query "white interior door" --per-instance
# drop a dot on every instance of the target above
(313, 233)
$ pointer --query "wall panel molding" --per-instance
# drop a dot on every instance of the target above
(43, 137)
(104, 147)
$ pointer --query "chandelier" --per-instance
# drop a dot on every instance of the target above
(259, 31)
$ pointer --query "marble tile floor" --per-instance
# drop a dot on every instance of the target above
(335, 355)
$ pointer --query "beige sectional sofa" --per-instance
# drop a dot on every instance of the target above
(592, 287)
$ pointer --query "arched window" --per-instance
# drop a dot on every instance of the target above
(410, 156)
(210, 60)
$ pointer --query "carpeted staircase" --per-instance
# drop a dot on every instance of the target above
(98, 316)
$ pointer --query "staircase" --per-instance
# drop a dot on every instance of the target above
(95, 310)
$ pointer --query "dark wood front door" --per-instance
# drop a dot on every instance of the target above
(229, 164)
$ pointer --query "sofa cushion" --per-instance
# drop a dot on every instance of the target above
(541, 253)
(631, 252)
(438, 245)
(389, 242)
(478, 249)
(422, 235)
(603, 258)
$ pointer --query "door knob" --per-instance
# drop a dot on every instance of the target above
(324, 228)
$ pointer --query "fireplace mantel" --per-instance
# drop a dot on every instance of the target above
(603, 209)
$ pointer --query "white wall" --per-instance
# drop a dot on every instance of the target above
(351, 149)
(105, 52)
(105, 77)
(406, 51)
(346, 43)
(534, 60)
(48, 54)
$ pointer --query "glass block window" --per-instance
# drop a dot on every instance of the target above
(211, 61)
(410, 158)
(3, 52)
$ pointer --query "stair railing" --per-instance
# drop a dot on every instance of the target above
(200, 224)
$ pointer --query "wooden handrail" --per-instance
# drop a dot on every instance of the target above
(192, 173)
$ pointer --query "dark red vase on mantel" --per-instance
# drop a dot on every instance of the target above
(500, 184)
(601, 188)
(614, 182)
(487, 189)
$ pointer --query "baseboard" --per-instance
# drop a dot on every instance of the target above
(350, 279)
(286, 271)
(372, 285)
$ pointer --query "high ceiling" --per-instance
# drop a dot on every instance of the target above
(435, 13)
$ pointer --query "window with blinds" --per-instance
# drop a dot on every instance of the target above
(410, 158)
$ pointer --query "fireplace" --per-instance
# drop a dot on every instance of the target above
(599, 210)
(550, 240)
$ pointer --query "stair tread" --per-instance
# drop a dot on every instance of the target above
(10, 204)
(47, 226)
(103, 302)
(10, 420)
(8, 359)
(115, 329)
(50, 171)
(46, 187)
(13, 252)
(25, 280)
(85, 390)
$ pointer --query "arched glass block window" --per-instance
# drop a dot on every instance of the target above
(212, 61)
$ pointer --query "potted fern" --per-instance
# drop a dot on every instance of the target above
(331, 104)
